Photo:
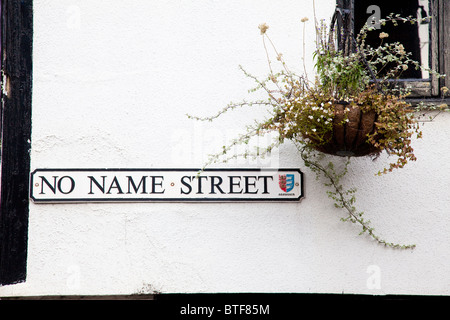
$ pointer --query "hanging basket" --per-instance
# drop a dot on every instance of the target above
(349, 138)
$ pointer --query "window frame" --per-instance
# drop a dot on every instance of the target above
(428, 90)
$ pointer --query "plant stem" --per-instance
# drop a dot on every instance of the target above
(343, 202)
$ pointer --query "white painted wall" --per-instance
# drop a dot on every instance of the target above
(113, 81)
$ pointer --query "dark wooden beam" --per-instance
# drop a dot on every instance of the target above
(17, 38)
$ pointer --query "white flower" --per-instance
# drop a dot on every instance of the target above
(401, 49)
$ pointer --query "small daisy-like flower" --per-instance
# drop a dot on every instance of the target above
(404, 66)
(383, 35)
(263, 28)
(401, 49)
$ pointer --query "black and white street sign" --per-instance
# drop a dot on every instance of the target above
(171, 185)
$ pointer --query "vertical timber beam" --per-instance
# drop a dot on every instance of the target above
(444, 41)
(434, 52)
(16, 61)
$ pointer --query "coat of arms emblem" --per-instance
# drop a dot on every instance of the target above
(286, 182)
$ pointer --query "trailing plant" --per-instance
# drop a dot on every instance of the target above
(353, 91)
(343, 199)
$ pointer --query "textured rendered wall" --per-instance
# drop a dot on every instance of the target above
(113, 81)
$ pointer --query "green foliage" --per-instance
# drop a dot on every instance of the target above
(341, 77)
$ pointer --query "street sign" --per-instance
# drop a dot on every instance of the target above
(170, 185)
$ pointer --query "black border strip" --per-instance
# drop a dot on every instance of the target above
(16, 53)
(124, 200)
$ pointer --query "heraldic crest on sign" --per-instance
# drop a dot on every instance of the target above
(286, 182)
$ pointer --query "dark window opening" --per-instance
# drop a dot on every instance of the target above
(429, 42)
(414, 37)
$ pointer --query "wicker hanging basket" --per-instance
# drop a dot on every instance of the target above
(349, 138)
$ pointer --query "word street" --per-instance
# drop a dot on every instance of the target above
(78, 185)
